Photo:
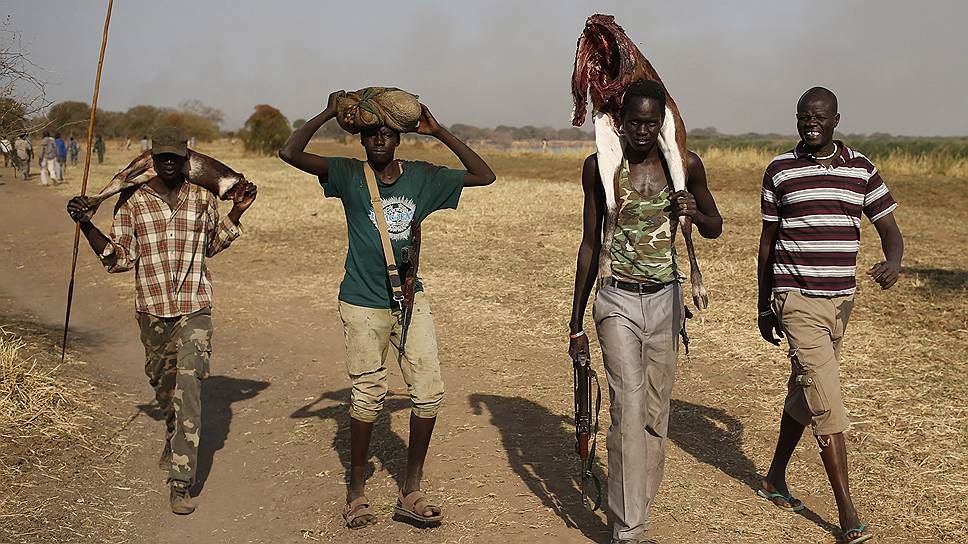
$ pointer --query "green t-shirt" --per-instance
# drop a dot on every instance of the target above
(422, 189)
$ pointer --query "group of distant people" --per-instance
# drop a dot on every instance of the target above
(52, 157)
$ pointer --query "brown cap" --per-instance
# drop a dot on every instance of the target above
(169, 140)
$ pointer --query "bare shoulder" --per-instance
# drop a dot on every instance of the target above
(693, 161)
(589, 171)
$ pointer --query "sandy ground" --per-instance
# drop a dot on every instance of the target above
(275, 432)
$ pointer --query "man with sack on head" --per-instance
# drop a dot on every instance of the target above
(408, 192)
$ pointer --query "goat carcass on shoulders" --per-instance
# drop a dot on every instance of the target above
(606, 62)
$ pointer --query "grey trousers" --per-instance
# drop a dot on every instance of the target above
(640, 343)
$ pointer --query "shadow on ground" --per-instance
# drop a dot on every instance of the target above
(540, 450)
(715, 437)
(939, 279)
(219, 393)
(386, 445)
(52, 334)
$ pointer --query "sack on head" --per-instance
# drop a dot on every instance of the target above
(373, 107)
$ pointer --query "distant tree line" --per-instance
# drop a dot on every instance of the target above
(194, 117)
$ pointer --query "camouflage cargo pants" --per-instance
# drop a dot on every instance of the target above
(177, 353)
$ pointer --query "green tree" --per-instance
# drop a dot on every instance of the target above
(199, 108)
(69, 115)
(298, 123)
(140, 120)
(331, 129)
(194, 125)
(109, 124)
(470, 132)
(12, 118)
(265, 130)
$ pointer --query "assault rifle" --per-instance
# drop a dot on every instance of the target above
(586, 433)
(409, 261)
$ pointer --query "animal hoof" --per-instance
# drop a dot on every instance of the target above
(699, 295)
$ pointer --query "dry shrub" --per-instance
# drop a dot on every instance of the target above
(58, 465)
(33, 401)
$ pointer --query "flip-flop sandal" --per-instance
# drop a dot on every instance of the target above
(356, 509)
(413, 506)
(861, 538)
(795, 505)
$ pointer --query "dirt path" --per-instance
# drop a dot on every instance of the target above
(274, 408)
(275, 429)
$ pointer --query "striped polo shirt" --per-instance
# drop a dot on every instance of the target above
(819, 213)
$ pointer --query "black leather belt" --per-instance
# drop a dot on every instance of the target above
(640, 288)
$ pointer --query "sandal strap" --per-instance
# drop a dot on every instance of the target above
(355, 508)
(416, 501)
(772, 496)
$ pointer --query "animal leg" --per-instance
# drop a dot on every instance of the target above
(699, 295)
(136, 173)
(675, 159)
(610, 154)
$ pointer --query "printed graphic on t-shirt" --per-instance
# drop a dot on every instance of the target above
(399, 212)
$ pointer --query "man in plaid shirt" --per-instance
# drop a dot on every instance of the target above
(165, 229)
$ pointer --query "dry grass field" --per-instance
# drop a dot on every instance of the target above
(59, 455)
(500, 272)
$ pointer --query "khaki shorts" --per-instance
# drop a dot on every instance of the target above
(814, 327)
(368, 333)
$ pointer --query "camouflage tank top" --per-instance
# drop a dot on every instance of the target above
(641, 248)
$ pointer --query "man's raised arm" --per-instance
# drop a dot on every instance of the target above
(478, 172)
(294, 150)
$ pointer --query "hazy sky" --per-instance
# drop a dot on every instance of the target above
(897, 66)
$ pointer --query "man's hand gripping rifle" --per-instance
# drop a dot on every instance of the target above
(586, 432)
(410, 259)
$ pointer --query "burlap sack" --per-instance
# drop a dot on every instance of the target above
(372, 107)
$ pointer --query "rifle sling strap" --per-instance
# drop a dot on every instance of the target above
(381, 223)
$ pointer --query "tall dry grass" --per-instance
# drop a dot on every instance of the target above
(35, 401)
(59, 468)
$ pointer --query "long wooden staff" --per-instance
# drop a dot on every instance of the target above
(87, 168)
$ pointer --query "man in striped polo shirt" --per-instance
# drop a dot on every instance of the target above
(812, 201)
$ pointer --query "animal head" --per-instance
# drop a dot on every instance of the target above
(604, 64)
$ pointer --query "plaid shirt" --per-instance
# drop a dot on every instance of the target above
(168, 248)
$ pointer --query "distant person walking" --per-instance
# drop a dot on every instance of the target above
(61, 157)
(99, 149)
(145, 144)
(23, 155)
(73, 149)
(47, 159)
(7, 150)
(812, 200)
